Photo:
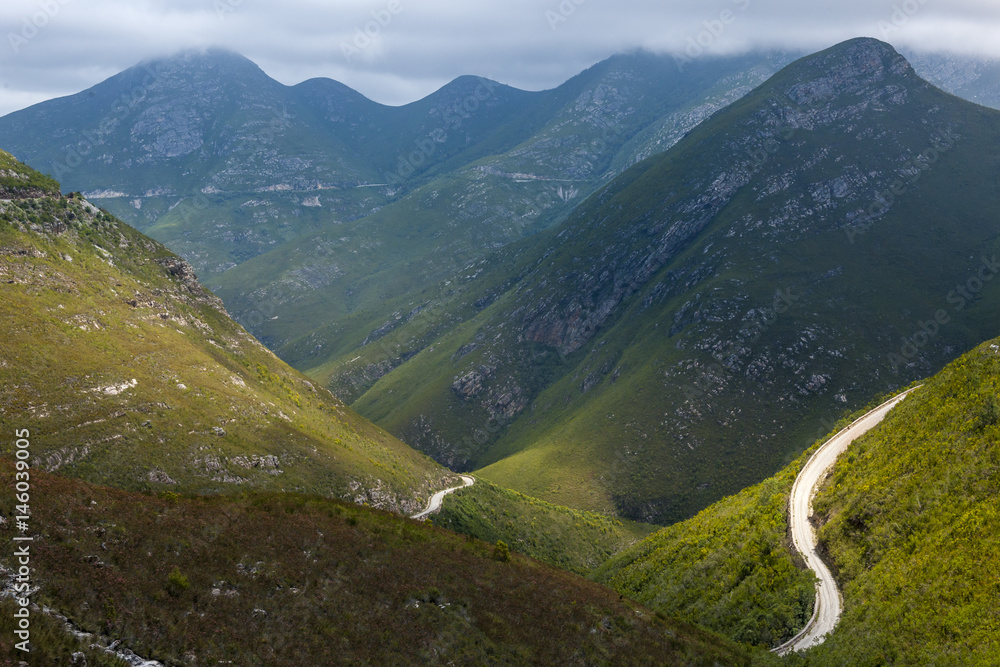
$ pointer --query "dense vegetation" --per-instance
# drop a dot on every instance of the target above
(730, 568)
(287, 579)
(130, 373)
(912, 525)
(909, 523)
(571, 539)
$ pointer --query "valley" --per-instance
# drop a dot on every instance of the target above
(725, 219)
(607, 373)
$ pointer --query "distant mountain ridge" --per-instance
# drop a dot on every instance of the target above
(969, 77)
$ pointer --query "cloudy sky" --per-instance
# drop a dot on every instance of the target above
(396, 51)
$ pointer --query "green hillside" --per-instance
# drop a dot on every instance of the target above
(695, 325)
(130, 373)
(571, 539)
(909, 524)
(288, 579)
(17, 180)
(731, 567)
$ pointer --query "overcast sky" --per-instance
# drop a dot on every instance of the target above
(397, 51)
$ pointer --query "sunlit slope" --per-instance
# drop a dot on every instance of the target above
(129, 373)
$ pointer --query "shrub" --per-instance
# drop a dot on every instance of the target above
(177, 582)
(501, 552)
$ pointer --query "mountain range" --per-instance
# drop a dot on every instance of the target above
(607, 352)
(672, 340)
(828, 237)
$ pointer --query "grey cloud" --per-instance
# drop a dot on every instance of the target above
(400, 50)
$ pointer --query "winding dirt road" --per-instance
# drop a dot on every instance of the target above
(827, 609)
(434, 504)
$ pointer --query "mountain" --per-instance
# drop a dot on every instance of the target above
(906, 519)
(971, 78)
(350, 200)
(289, 579)
(328, 292)
(128, 372)
(587, 354)
(826, 238)
(208, 137)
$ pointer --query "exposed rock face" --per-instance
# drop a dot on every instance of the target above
(181, 269)
(568, 309)
(467, 386)
(13, 192)
(184, 272)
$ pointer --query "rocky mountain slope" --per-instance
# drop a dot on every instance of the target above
(358, 207)
(128, 372)
(826, 238)
(971, 78)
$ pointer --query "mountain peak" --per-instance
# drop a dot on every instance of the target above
(211, 61)
(858, 66)
(869, 54)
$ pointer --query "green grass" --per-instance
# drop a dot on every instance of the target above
(288, 579)
(571, 539)
(132, 376)
(908, 520)
(731, 567)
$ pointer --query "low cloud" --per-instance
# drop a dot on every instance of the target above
(396, 51)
